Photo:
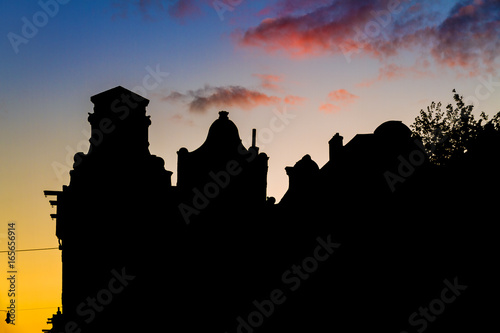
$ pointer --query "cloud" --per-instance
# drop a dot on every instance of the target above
(174, 96)
(209, 97)
(179, 118)
(307, 30)
(465, 37)
(184, 8)
(329, 108)
(393, 71)
(269, 81)
(342, 95)
(469, 37)
(158, 9)
(294, 100)
(337, 99)
(287, 7)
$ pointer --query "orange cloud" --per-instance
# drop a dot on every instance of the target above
(464, 37)
(209, 97)
(269, 81)
(294, 100)
(393, 71)
(341, 98)
(342, 95)
(174, 96)
(329, 108)
(178, 118)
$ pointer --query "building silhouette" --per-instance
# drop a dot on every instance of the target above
(207, 253)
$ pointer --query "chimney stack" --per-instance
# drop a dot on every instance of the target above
(254, 140)
(336, 145)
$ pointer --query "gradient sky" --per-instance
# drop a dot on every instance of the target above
(330, 65)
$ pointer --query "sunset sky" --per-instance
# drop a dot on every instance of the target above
(297, 71)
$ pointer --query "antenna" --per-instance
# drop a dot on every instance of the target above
(254, 135)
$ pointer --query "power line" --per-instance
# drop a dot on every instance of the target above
(26, 250)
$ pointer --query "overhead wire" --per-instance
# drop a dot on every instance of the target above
(30, 250)
(50, 307)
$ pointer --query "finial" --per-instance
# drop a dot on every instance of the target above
(223, 114)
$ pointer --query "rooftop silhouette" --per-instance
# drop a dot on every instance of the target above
(360, 243)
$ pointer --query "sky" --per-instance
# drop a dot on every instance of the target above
(297, 71)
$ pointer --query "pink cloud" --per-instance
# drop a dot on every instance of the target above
(466, 39)
(174, 96)
(178, 118)
(342, 95)
(393, 71)
(269, 81)
(320, 30)
(294, 100)
(337, 100)
(329, 108)
(209, 97)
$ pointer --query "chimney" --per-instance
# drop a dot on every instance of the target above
(336, 145)
(254, 139)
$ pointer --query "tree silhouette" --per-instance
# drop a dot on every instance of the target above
(448, 134)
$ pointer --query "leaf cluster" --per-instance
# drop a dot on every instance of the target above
(449, 133)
